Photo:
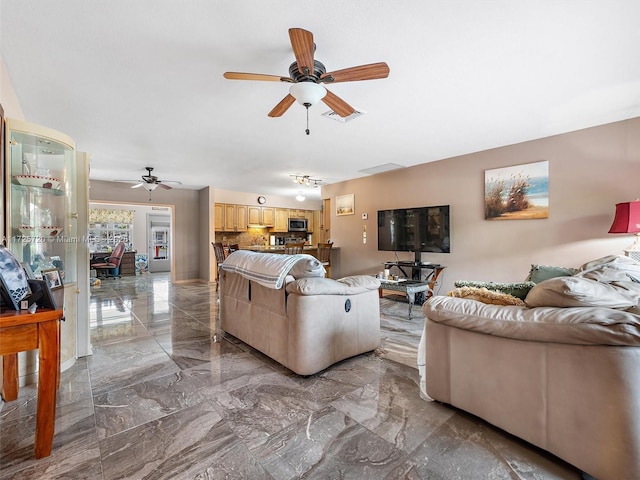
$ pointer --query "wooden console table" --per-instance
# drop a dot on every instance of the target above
(21, 331)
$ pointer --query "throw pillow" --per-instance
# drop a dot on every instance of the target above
(307, 266)
(579, 292)
(486, 296)
(540, 273)
(519, 289)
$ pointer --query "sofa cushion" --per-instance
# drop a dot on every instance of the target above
(540, 273)
(580, 325)
(366, 282)
(582, 292)
(519, 289)
(485, 295)
(327, 286)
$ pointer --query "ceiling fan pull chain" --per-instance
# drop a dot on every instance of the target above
(307, 105)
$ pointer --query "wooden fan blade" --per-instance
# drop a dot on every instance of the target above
(338, 105)
(303, 49)
(256, 76)
(162, 185)
(362, 72)
(283, 106)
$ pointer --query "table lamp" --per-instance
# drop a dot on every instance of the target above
(627, 220)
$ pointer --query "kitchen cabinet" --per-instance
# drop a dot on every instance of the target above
(261, 216)
(297, 213)
(281, 223)
(268, 216)
(310, 222)
(235, 218)
(218, 217)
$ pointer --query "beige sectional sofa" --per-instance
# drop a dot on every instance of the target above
(563, 375)
(307, 323)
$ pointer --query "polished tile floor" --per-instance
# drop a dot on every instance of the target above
(167, 395)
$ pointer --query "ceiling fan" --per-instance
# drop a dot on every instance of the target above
(150, 182)
(309, 76)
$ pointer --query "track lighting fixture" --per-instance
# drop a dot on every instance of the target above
(305, 180)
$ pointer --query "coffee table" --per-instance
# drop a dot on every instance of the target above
(408, 287)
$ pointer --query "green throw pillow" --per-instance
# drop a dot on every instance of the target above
(519, 289)
(538, 273)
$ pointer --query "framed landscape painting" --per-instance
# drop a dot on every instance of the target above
(345, 204)
(520, 192)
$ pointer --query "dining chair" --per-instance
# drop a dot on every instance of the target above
(293, 248)
(324, 256)
(218, 249)
(232, 248)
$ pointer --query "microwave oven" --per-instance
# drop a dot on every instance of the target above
(297, 224)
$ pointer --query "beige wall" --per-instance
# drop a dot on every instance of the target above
(8, 97)
(248, 198)
(186, 224)
(589, 172)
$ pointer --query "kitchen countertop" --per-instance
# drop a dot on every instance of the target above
(272, 248)
(278, 248)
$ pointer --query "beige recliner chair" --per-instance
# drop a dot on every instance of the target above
(306, 324)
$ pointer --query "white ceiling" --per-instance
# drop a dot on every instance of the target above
(139, 83)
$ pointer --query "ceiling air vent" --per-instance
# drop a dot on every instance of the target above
(333, 115)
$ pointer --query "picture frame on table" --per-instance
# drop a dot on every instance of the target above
(53, 278)
(41, 295)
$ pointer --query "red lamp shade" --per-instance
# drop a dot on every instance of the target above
(627, 219)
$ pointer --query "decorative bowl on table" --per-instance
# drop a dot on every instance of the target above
(38, 181)
(30, 231)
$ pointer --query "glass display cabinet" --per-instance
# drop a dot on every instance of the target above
(40, 191)
(46, 186)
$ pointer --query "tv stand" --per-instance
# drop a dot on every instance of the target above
(413, 270)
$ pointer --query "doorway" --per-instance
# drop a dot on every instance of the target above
(140, 238)
(159, 235)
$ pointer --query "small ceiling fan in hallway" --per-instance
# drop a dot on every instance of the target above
(150, 182)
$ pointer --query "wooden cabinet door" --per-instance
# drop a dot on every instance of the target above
(310, 224)
(268, 216)
(241, 218)
(218, 217)
(254, 215)
(281, 223)
(229, 218)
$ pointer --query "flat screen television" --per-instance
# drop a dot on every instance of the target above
(421, 229)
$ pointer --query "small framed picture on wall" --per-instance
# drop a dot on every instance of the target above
(345, 204)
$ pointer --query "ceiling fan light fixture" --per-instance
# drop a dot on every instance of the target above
(150, 187)
(307, 93)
